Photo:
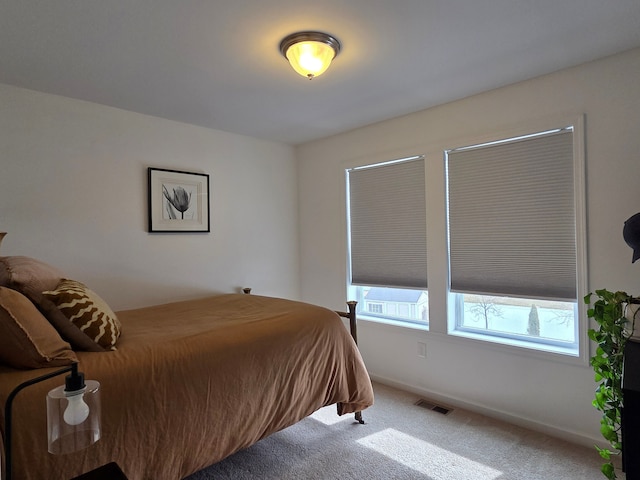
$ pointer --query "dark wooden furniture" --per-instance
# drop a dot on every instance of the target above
(631, 411)
(353, 328)
(110, 471)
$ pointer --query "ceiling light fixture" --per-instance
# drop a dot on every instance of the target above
(310, 53)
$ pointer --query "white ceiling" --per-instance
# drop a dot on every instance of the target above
(216, 63)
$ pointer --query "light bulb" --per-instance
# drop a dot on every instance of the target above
(77, 410)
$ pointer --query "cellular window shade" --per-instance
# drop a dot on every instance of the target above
(388, 230)
(512, 229)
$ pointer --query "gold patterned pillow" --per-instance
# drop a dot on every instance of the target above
(87, 311)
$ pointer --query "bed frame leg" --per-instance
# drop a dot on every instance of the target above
(353, 327)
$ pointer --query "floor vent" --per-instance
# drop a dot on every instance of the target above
(432, 406)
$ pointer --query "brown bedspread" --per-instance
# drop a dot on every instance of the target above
(193, 382)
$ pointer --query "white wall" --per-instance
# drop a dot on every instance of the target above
(546, 393)
(73, 192)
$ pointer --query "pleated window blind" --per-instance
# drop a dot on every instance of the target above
(387, 224)
(512, 227)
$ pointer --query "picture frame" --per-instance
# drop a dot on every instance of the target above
(178, 201)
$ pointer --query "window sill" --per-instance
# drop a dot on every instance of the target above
(503, 345)
(565, 354)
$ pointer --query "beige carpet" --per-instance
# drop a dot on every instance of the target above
(403, 441)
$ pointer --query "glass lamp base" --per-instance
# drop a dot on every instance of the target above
(65, 437)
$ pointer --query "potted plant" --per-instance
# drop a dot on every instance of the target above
(610, 312)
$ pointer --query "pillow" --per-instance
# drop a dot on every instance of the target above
(67, 330)
(28, 275)
(27, 339)
(87, 311)
(31, 277)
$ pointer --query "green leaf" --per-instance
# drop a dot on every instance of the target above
(609, 471)
(607, 309)
(612, 414)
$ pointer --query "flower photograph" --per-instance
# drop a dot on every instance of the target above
(178, 201)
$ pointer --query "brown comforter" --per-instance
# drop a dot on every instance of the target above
(193, 382)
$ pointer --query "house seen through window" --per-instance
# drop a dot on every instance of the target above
(396, 304)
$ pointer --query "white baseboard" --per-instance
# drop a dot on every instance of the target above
(570, 436)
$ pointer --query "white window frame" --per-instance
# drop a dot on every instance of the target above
(580, 354)
(357, 291)
(536, 343)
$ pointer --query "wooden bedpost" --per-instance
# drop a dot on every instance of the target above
(353, 328)
(351, 315)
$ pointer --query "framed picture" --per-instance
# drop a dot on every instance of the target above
(178, 201)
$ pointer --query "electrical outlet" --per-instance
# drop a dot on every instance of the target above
(422, 350)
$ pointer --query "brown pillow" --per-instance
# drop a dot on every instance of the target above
(31, 277)
(87, 311)
(28, 275)
(27, 339)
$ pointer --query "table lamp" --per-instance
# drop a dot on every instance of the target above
(73, 414)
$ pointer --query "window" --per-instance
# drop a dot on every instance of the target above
(507, 251)
(400, 304)
(374, 307)
(387, 240)
(513, 249)
(544, 322)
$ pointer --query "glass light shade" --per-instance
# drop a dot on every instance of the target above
(73, 418)
(310, 58)
(310, 53)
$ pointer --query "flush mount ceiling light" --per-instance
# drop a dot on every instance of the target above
(310, 53)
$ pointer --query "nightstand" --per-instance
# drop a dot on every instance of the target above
(631, 410)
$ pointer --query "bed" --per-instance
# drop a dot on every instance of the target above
(184, 384)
